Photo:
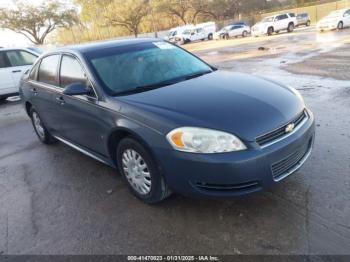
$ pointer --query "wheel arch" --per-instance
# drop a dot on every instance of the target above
(28, 107)
(117, 134)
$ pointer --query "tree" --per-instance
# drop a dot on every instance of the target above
(127, 13)
(37, 22)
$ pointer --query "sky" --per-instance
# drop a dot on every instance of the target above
(9, 38)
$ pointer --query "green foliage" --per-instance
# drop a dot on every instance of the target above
(37, 22)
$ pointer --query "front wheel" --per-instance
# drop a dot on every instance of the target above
(290, 28)
(340, 25)
(39, 128)
(210, 37)
(140, 172)
(308, 23)
(270, 31)
(244, 34)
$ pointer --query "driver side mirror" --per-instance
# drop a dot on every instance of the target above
(77, 89)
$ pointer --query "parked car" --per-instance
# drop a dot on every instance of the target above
(167, 120)
(173, 32)
(13, 63)
(196, 33)
(232, 31)
(209, 28)
(303, 19)
(335, 20)
(275, 24)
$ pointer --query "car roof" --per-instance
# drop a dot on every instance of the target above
(15, 48)
(87, 47)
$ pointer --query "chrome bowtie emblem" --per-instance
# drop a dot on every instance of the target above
(290, 127)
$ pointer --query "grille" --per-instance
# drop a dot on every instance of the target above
(280, 132)
(286, 165)
(249, 186)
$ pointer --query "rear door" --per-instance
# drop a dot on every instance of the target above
(43, 85)
(281, 22)
(20, 61)
(80, 116)
(6, 82)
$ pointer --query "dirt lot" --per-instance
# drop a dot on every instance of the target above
(54, 200)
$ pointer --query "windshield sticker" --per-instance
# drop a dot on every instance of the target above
(163, 45)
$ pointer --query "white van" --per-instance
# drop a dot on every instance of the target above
(14, 63)
(173, 32)
(196, 33)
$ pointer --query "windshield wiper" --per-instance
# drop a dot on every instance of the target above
(197, 74)
(143, 88)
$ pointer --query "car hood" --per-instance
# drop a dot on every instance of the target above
(329, 19)
(241, 104)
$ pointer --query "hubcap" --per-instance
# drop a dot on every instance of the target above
(136, 171)
(38, 125)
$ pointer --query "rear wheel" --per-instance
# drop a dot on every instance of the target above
(290, 28)
(140, 172)
(39, 128)
(340, 25)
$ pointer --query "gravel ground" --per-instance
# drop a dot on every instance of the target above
(54, 200)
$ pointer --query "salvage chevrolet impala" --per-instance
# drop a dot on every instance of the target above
(168, 121)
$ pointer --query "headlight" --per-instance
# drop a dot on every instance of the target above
(202, 140)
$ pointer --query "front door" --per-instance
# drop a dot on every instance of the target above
(20, 61)
(6, 83)
(81, 119)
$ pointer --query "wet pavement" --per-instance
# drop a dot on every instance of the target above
(54, 200)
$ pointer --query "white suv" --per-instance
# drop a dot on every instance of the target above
(13, 63)
(275, 24)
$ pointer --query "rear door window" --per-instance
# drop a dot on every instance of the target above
(48, 70)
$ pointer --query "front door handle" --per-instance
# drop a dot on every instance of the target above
(60, 100)
(33, 90)
(16, 71)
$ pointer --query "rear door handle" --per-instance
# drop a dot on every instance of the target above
(60, 100)
(16, 71)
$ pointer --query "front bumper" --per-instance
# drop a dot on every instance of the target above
(237, 173)
(325, 27)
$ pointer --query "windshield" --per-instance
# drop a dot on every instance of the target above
(267, 19)
(122, 69)
(172, 33)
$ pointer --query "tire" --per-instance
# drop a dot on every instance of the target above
(210, 37)
(244, 34)
(308, 23)
(226, 37)
(270, 31)
(340, 25)
(40, 129)
(277, 32)
(3, 99)
(140, 172)
(290, 28)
